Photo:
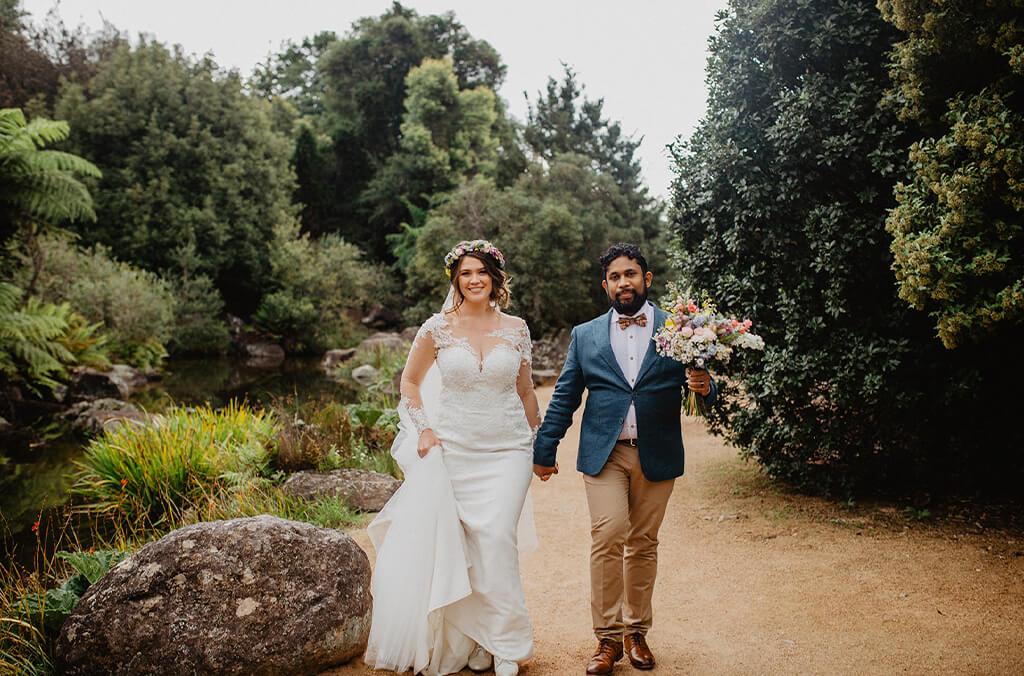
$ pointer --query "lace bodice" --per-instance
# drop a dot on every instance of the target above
(479, 402)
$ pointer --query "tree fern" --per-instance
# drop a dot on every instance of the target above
(38, 184)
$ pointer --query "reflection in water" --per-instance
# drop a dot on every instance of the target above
(38, 483)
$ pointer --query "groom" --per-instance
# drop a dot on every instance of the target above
(631, 450)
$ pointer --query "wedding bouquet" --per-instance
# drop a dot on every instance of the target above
(696, 336)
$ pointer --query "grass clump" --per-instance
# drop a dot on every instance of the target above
(149, 474)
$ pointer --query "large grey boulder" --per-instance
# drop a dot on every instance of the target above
(549, 352)
(258, 595)
(361, 489)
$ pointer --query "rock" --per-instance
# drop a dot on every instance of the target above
(258, 595)
(364, 375)
(129, 380)
(381, 317)
(96, 415)
(120, 382)
(262, 353)
(385, 341)
(544, 377)
(408, 334)
(361, 489)
(332, 358)
(258, 349)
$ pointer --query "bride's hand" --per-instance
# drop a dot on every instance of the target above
(427, 441)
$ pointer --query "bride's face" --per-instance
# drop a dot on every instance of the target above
(474, 282)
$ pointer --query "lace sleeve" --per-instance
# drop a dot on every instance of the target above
(524, 344)
(421, 356)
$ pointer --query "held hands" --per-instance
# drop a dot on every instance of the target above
(699, 381)
(545, 473)
(427, 441)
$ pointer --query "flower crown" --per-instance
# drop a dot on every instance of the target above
(476, 245)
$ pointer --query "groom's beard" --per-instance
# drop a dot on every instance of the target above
(633, 306)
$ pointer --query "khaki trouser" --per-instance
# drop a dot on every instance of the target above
(626, 511)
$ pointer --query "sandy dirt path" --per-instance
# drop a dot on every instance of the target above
(753, 579)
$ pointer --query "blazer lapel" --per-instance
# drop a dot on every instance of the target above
(652, 354)
(604, 347)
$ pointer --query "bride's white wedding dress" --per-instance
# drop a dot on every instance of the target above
(447, 571)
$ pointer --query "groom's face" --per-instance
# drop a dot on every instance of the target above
(626, 285)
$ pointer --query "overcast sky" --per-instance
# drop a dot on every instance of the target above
(645, 58)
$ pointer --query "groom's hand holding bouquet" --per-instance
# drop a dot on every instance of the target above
(697, 336)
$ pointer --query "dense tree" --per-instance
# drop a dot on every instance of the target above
(364, 75)
(563, 120)
(958, 227)
(779, 207)
(446, 139)
(313, 163)
(188, 160)
(135, 308)
(294, 74)
(36, 56)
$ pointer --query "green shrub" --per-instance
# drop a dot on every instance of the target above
(199, 326)
(326, 435)
(320, 285)
(49, 610)
(149, 474)
(135, 307)
(780, 205)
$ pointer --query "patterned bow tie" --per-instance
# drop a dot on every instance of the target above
(639, 320)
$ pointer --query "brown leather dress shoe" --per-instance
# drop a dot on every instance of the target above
(639, 654)
(607, 654)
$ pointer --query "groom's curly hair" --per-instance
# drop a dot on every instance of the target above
(631, 251)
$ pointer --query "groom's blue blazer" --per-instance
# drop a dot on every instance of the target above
(590, 364)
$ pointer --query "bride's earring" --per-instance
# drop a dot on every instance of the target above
(493, 303)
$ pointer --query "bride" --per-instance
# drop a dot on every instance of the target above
(446, 587)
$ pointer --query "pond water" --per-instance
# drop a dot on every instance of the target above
(34, 485)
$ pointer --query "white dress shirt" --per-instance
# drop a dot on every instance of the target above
(630, 346)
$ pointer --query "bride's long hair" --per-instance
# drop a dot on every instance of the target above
(500, 294)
